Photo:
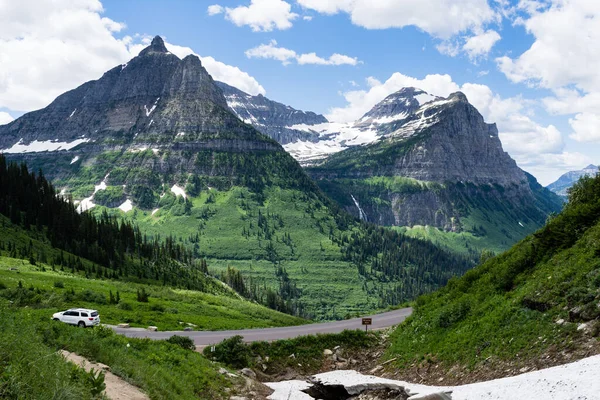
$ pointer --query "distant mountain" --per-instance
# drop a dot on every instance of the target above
(273, 119)
(567, 180)
(435, 162)
(155, 142)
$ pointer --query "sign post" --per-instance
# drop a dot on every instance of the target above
(366, 322)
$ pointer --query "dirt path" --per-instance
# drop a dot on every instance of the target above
(116, 388)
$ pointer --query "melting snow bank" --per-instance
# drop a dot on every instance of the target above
(578, 380)
(48, 145)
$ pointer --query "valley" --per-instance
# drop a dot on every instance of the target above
(402, 242)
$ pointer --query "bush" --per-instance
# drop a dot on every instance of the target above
(59, 284)
(2, 285)
(142, 295)
(157, 307)
(92, 297)
(233, 352)
(125, 306)
(183, 342)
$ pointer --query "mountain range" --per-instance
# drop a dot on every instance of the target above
(156, 142)
(562, 184)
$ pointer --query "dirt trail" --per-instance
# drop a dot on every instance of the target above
(116, 388)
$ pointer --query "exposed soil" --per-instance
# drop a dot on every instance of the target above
(116, 388)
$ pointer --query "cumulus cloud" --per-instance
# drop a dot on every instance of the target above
(5, 118)
(480, 45)
(562, 58)
(287, 56)
(439, 18)
(215, 9)
(48, 47)
(260, 15)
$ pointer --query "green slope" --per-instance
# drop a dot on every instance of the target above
(506, 309)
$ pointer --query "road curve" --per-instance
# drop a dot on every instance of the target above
(204, 338)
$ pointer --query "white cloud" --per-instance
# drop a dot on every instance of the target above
(480, 45)
(260, 15)
(547, 168)
(5, 118)
(440, 18)
(286, 56)
(586, 127)
(562, 54)
(48, 47)
(307, 18)
(215, 9)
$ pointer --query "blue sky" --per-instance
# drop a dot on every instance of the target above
(542, 92)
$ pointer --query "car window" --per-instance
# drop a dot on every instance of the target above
(94, 314)
(84, 314)
(70, 313)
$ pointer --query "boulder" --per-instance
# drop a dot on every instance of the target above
(123, 326)
(249, 373)
(152, 328)
(187, 329)
(327, 352)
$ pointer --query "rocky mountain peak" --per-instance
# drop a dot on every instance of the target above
(398, 105)
(156, 46)
(458, 96)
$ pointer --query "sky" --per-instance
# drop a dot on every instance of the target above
(530, 66)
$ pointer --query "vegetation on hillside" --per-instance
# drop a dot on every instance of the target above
(543, 293)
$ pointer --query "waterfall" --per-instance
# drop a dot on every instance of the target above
(361, 213)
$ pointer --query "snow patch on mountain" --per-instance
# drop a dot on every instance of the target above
(40, 146)
(178, 191)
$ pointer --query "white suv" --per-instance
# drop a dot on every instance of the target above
(81, 317)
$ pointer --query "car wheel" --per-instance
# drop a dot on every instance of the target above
(81, 324)
(55, 319)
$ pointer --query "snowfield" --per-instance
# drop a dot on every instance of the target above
(576, 381)
(37, 146)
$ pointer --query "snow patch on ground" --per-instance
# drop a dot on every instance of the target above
(178, 191)
(126, 206)
(520, 223)
(73, 113)
(155, 211)
(578, 380)
(75, 159)
(46, 145)
(87, 203)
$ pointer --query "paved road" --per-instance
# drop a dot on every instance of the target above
(204, 338)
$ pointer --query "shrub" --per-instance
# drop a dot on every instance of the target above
(125, 306)
(59, 284)
(233, 352)
(92, 297)
(183, 342)
(142, 295)
(157, 307)
(2, 286)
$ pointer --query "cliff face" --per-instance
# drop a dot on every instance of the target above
(436, 164)
(271, 118)
(148, 122)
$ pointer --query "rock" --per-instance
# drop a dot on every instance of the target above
(376, 369)
(433, 396)
(560, 321)
(249, 373)
(292, 356)
(327, 352)
(582, 327)
(192, 325)
(524, 369)
(188, 329)
(575, 314)
(152, 328)
(223, 371)
(271, 118)
(123, 326)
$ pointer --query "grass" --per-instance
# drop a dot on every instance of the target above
(331, 287)
(506, 308)
(32, 368)
(167, 308)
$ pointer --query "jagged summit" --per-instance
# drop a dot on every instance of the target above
(398, 105)
(156, 46)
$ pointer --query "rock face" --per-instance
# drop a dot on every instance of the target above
(273, 119)
(562, 184)
(436, 164)
(137, 125)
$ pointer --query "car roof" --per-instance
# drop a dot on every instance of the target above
(82, 309)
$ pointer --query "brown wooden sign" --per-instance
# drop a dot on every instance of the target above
(366, 322)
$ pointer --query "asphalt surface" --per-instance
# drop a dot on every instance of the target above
(205, 338)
